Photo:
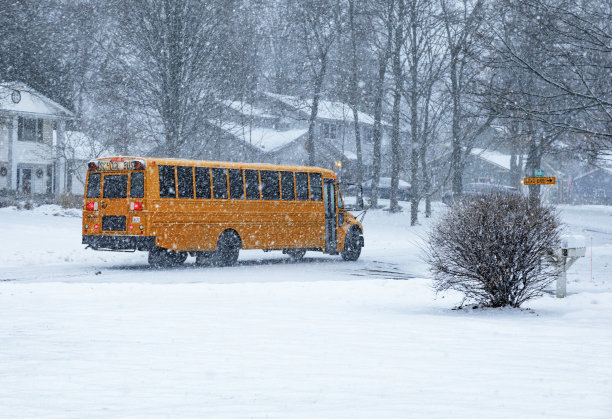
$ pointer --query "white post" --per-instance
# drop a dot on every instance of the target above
(562, 278)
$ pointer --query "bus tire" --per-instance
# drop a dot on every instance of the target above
(296, 254)
(352, 245)
(228, 248)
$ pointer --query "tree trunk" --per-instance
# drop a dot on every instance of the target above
(383, 60)
(414, 103)
(355, 94)
(395, 118)
(314, 111)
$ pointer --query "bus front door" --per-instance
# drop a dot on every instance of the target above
(329, 195)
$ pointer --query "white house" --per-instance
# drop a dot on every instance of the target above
(32, 127)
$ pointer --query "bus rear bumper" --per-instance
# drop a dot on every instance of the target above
(119, 242)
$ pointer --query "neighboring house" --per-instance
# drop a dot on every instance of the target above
(494, 167)
(593, 187)
(274, 129)
(31, 128)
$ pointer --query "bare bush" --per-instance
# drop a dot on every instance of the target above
(493, 249)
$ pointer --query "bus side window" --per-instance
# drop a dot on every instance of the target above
(185, 181)
(236, 184)
(252, 184)
(93, 185)
(316, 188)
(219, 183)
(202, 178)
(137, 185)
(301, 186)
(167, 183)
(287, 186)
(270, 188)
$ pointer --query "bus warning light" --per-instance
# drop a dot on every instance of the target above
(136, 206)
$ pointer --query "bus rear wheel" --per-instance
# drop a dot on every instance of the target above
(228, 248)
(163, 258)
(352, 246)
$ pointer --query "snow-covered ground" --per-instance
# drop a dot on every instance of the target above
(100, 334)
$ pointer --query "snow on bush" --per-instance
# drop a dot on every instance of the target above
(493, 249)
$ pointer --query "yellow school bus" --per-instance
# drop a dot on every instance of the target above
(173, 208)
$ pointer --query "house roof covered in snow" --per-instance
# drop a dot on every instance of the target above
(18, 98)
(247, 109)
(264, 139)
(331, 110)
(500, 159)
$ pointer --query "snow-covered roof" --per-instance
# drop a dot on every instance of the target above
(17, 97)
(264, 139)
(247, 109)
(331, 110)
(500, 159)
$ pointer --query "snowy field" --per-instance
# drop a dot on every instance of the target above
(100, 334)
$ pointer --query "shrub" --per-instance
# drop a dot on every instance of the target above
(493, 249)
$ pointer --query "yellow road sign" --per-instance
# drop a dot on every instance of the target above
(539, 181)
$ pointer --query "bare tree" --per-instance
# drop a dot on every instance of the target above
(398, 79)
(425, 58)
(319, 22)
(574, 54)
(463, 21)
(171, 57)
(382, 24)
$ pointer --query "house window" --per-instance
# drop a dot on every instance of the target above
(29, 129)
(330, 130)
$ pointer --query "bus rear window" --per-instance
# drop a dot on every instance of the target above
(93, 186)
(137, 185)
(115, 186)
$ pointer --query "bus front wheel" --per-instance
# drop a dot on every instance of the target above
(228, 247)
(352, 245)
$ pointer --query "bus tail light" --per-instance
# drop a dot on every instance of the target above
(96, 226)
(131, 227)
(91, 206)
(136, 206)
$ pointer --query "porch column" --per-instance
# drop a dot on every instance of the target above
(11, 179)
(60, 165)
